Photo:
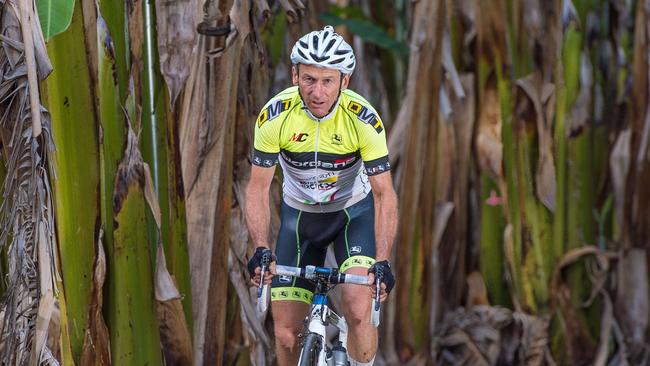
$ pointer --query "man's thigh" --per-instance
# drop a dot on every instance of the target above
(356, 299)
(294, 248)
(289, 314)
(355, 243)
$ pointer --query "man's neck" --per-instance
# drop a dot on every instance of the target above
(325, 117)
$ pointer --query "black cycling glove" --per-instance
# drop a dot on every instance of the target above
(261, 254)
(383, 272)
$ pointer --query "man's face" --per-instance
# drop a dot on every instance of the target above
(319, 87)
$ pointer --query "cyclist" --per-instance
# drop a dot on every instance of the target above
(331, 145)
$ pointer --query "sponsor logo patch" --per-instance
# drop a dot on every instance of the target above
(337, 139)
(378, 169)
(299, 137)
(337, 164)
(365, 115)
(273, 110)
(264, 162)
(355, 249)
(285, 279)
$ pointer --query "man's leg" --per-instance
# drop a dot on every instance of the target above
(288, 317)
(362, 336)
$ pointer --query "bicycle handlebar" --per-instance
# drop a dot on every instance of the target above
(312, 272)
(332, 275)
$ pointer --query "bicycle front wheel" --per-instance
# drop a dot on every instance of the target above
(311, 349)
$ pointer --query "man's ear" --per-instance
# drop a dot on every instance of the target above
(294, 74)
(345, 82)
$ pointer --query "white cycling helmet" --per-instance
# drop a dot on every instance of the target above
(324, 48)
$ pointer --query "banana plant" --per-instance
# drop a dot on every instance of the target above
(76, 163)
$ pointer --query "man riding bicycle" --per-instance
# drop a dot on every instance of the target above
(331, 145)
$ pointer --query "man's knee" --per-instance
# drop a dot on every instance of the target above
(288, 319)
(357, 302)
(358, 315)
(357, 312)
(286, 336)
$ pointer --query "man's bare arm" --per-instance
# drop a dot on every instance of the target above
(258, 213)
(385, 214)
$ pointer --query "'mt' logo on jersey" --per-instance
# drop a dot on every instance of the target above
(273, 110)
(365, 115)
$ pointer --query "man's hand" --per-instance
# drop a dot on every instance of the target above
(383, 271)
(255, 266)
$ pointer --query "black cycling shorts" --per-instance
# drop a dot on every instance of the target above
(304, 238)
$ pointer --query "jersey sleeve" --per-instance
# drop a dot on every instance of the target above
(266, 144)
(372, 144)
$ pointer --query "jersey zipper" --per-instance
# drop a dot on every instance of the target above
(316, 165)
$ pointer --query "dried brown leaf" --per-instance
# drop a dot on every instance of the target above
(488, 141)
(619, 165)
(606, 324)
(476, 290)
(25, 212)
(96, 346)
(26, 19)
(194, 140)
(443, 212)
(580, 344)
(418, 198)
(632, 297)
(263, 7)
(294, 11)
(508, 252)
(207, 146)
(493, 336)
(45, 308)
(174, 333)
(176, 22)
(450, 67)
(573, 256)
(491, 26)
(136, 34)
(540, 95)
(240, 18)
(581, 107)
(46, 302)
(54, 332)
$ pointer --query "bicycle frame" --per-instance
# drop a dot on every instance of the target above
(320, 315)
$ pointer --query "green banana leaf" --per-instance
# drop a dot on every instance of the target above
(55, 16)
(76, 162)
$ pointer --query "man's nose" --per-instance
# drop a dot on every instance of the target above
(318, 90)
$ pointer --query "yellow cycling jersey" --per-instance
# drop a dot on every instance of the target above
(325, 162)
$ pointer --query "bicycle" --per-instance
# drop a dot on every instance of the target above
(314, 349)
